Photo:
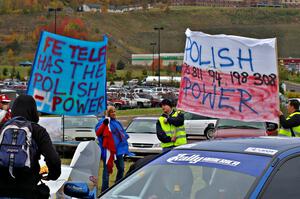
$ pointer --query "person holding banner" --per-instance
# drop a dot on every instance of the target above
(290, 126)
(170, 127)
(112, 139)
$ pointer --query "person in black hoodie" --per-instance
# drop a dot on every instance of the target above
(25, 184)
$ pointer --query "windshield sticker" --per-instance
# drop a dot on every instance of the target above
(250, 164)
(194, 158)
(261, 150)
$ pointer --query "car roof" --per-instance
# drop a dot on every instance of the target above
(265, 145)
(145, 118)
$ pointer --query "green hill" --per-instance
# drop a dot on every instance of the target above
(133, 32)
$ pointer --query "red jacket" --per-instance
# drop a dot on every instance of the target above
(108, 143)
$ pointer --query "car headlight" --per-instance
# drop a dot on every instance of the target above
(68, 138)
(156, 145)
(129, 144)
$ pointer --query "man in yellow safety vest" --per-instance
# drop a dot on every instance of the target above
(170, 127)
(290, 126)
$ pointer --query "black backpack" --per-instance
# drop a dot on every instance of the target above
(17, 148)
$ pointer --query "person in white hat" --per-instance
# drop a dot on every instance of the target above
(5, 113)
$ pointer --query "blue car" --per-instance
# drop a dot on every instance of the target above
(263, 167)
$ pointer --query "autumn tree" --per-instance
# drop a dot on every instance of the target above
(11, 57)
(70, 27)
(112, 68)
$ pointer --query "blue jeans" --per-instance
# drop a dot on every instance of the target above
(119, 162)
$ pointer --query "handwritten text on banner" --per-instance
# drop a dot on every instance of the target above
(69, 76)
(229, 77)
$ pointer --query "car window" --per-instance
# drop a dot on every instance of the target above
(142, 126)
(235, 124)
(186, 174)
(80, 122)
(285, 183)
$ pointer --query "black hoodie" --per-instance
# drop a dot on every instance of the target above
(25, 106)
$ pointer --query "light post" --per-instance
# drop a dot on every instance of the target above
(158, 29)
(153, 44)
(54, 10)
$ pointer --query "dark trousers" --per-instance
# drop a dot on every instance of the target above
(119, 162)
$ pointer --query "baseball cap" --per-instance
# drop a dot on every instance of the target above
(4, 98)
(166, 102)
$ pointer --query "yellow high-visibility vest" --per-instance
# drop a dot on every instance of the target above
(288, 132)
(170, 130)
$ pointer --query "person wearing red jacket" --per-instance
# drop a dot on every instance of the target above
(5, 112)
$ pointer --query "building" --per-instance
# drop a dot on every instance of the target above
(89, 8)
(292, 64)
(148, 59)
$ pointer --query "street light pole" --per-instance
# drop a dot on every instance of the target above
(153, 44)
(55, 10)
(158, 29)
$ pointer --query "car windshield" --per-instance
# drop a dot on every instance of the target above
(226, 123)
(80, 122)
(142, 126)
(191, 174)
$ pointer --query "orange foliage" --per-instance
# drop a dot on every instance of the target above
(70, 27)
(29, 56)
(10, 38)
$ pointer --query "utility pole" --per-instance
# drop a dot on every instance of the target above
(153, 44)
(54, 10)
(158, 29)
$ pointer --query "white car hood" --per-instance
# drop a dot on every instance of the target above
(146, 138)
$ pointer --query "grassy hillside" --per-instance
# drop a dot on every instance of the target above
(133, 32)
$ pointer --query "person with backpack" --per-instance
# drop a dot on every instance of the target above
(22, 142)
(5, 112)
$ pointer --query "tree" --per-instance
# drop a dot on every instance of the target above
(14, 45)
(5, 72)
(29, 71)
(68, 26)
(120, 65)
(11, 57)
(128, 75)
(112, 68)
(283, 73)
(18, 76)
(145, 72)
(13, 72)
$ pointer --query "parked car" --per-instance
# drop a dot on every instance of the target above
(226, 128)
(264, 167)
(70, 128)
(122, 103)
(79, 128)
(136, 100)
(195, 125)
(154, 99)
(68, 131)
(142, 136)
